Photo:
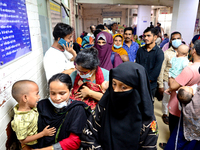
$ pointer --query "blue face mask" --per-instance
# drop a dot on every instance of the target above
(117, 47)
(176, 43)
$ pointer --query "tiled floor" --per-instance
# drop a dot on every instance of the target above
(163, 129)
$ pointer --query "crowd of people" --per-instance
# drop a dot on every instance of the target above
(102, 90)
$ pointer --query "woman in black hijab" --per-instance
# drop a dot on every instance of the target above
(124, 118)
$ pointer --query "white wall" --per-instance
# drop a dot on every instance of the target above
(28, 67)
(144, 18)
(184, 18)
(95, 15)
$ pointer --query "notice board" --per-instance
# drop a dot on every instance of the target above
(55, 14)
(14, 30)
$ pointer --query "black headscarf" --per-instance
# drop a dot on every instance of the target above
(70, 120)
(125, 111)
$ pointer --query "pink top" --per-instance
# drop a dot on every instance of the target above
(165, 47)
(189, 76)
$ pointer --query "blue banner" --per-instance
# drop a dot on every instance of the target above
(15, 38)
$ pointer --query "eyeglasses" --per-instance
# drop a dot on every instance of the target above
(83, 72)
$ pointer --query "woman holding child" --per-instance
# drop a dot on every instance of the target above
(67, 116)
(89, 80)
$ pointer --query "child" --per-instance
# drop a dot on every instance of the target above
(26, 93)
(178, 63)
(185, 94)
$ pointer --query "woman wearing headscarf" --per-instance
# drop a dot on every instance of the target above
(88, 81)
(103, 43)
(124, 117)
(117, 47)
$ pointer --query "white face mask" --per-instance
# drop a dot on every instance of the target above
(60, 105)
(88, 75)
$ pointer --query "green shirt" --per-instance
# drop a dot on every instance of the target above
(25, 123)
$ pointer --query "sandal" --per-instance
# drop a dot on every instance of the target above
(162, 145)
(165, 119)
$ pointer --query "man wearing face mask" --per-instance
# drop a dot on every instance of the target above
(59, 58)
(175, 41)
(188, 77)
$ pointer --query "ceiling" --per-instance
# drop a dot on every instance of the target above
(113, 6)
(126, 3)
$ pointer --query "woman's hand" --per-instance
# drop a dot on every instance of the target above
(84, 92)
(49, 132)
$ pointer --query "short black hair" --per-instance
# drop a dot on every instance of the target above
(100, 26)
(20, 87)
(88, 58)
(159, 23)
(62, 77)
(140, 36)
(197, 47)
(61, 30)
(97, 31)
(128, 28)
(176, 32)
(113, 23)
(165, 34)
(183, 96)
(154, 31)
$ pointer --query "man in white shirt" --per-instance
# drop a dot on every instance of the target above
(92, 29)
(114, 27)
(60, 58)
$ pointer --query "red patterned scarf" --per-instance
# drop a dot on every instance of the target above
(95, 87)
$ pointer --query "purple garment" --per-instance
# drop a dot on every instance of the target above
(105, 51)
(165, 47)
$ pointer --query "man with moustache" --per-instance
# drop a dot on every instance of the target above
(175, 42)
(130, 46)
(151, 57)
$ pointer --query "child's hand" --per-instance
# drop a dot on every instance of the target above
(167, 91)
(49, 132)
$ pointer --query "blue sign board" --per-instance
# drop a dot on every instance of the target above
(14, 30)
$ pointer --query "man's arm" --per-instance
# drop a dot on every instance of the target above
(160, 77)
(137, 59)
(182, 79)
(173, 84)
(153, 75)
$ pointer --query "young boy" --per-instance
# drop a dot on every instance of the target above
(178, 63)
(26, 93)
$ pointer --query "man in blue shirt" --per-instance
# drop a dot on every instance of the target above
(166, 40)
(130, 46)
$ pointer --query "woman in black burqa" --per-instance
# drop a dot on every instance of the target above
(124, 118)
